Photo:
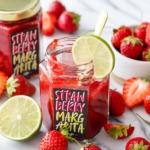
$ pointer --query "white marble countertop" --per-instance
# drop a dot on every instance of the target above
(120, 12)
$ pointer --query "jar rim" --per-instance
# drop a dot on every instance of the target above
(52, 50)
(64, 46)
(18, 9)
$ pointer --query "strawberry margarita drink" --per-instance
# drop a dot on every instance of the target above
(70, 95)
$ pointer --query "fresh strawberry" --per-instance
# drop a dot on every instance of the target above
(146, 54)
(131, 47)
(68, 22)
(147, 37)
(19, 85)
(135, 91)
(3, 79)
(116, 103)
(140, 32)
(138, 143)
(90, 147)
(147, 104)
(57, 8)
(48, 23)
(54, 140)
(119, 131)
(119, 34)
(5, 65)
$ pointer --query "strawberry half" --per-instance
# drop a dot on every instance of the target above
(138, 143)
(3, 79)
(118, 131)
(90, 147)
(19, 85)
(135, 91)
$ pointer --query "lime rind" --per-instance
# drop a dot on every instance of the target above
(89, 48)
(20, 118)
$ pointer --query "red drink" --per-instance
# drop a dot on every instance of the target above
(19, 37)
(70, 95)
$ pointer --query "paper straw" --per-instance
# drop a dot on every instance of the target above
(101, 23)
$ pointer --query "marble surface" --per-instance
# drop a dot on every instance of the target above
(126, 12)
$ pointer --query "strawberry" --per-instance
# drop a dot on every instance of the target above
(57, 8)
(54, 140)
(119, 34)
(146, 54)
(68, 22)
(137, 143)
(147, 104)
(147, 37)
(135, 91)
(90, 147)
(48, 23)
(118, 131)
(19, 85)
(3, 79)
(5, 65)
(116, 103)
(140, 32)
(131, 47)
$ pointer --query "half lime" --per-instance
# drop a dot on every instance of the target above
(89, 48)
(20, 118)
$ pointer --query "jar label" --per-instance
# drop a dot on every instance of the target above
(71, 110)
(25, 52)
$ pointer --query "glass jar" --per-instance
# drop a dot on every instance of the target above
(69, 93)
(19, 37)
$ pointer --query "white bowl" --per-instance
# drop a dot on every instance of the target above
(126, 68)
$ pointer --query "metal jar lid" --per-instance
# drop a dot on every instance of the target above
(13, 10)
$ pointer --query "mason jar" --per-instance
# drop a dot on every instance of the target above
(70, 94)
(20, 37)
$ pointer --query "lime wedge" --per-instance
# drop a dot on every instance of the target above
(89, 48)
(20, 118)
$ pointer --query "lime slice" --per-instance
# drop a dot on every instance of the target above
(20, 118)
(89, 48)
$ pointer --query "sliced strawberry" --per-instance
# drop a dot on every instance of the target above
(19, 85)
(137, 143)
(3, 79)
(48, 23)
(119, 131)
(135, 90)
(90, 147)
(147, 37)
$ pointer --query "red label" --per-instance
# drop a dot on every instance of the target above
(25, 52)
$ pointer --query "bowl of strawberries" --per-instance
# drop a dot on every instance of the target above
(131, 45)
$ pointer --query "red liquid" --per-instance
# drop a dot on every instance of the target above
(96, 103)
(19, 46)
